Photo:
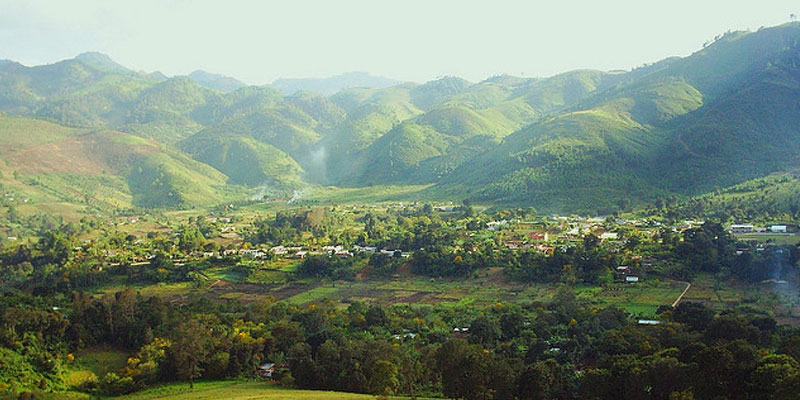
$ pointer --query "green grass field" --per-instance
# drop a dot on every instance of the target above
(368, 194)
(93, 363)
(239, 390)
(777, 238)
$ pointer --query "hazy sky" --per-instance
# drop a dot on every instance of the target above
(259, 41)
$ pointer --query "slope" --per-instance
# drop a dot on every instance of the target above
(246, 161)
(674, 127)
(104, 170)
(465, 120)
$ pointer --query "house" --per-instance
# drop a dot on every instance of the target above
(343, 253)
(496, 225)
(300, 254)
(364, 249)
(741, 228)
(649, 322)
(609, 236)
(252, 253)
(407, 335)
(540, 236)
(279, 250)
(622, 269)
(266, 370)
(271, 370)
(778, 228)
(549, 250)
(390, 252)
(332, 249)
(631, 279)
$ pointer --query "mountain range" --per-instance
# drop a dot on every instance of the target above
(581, 141)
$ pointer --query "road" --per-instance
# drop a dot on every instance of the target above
(678, 300)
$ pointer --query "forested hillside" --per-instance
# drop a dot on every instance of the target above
(585, 140)
(724, 115)
(101, 169)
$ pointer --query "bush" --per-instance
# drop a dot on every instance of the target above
(115, 385)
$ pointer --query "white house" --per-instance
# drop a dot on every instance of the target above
(332, 249)
(496, 225)
(741, 228)
(649, 322)
(279, 250)
(609, 236)
(777, 228)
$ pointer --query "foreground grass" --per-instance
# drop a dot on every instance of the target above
(237, 390)
(94, 363)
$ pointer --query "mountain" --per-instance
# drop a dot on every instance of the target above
(582, 141)
(101, 61)
(88, 91)
(215, 81)
(334, 84)
(99, 169)
(247, 161)
(724, 115)
(463, 121)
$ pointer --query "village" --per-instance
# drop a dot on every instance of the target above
(230, 241)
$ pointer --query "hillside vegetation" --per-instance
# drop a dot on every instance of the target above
(585, 141)
(101, 169)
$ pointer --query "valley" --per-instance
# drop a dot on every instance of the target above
(625, 234)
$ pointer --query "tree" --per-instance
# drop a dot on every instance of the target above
(696, 315)
(590, 241)
(542, 380)
(384, 378)
(464, 369)
(56, 248)
(191, 238)
(484, 330)
(190, 346)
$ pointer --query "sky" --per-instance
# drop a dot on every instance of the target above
(260, 41)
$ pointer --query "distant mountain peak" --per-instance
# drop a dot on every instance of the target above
(216, 81)
(100, 60)
(333, 84)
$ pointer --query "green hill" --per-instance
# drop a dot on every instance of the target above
(286, 128)
(216, 81)
(436, 92)
(246, 161)
(771, 198)
(334, 84)
(583, 140)
(673, 128)
(103, 170)
(469, 122)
